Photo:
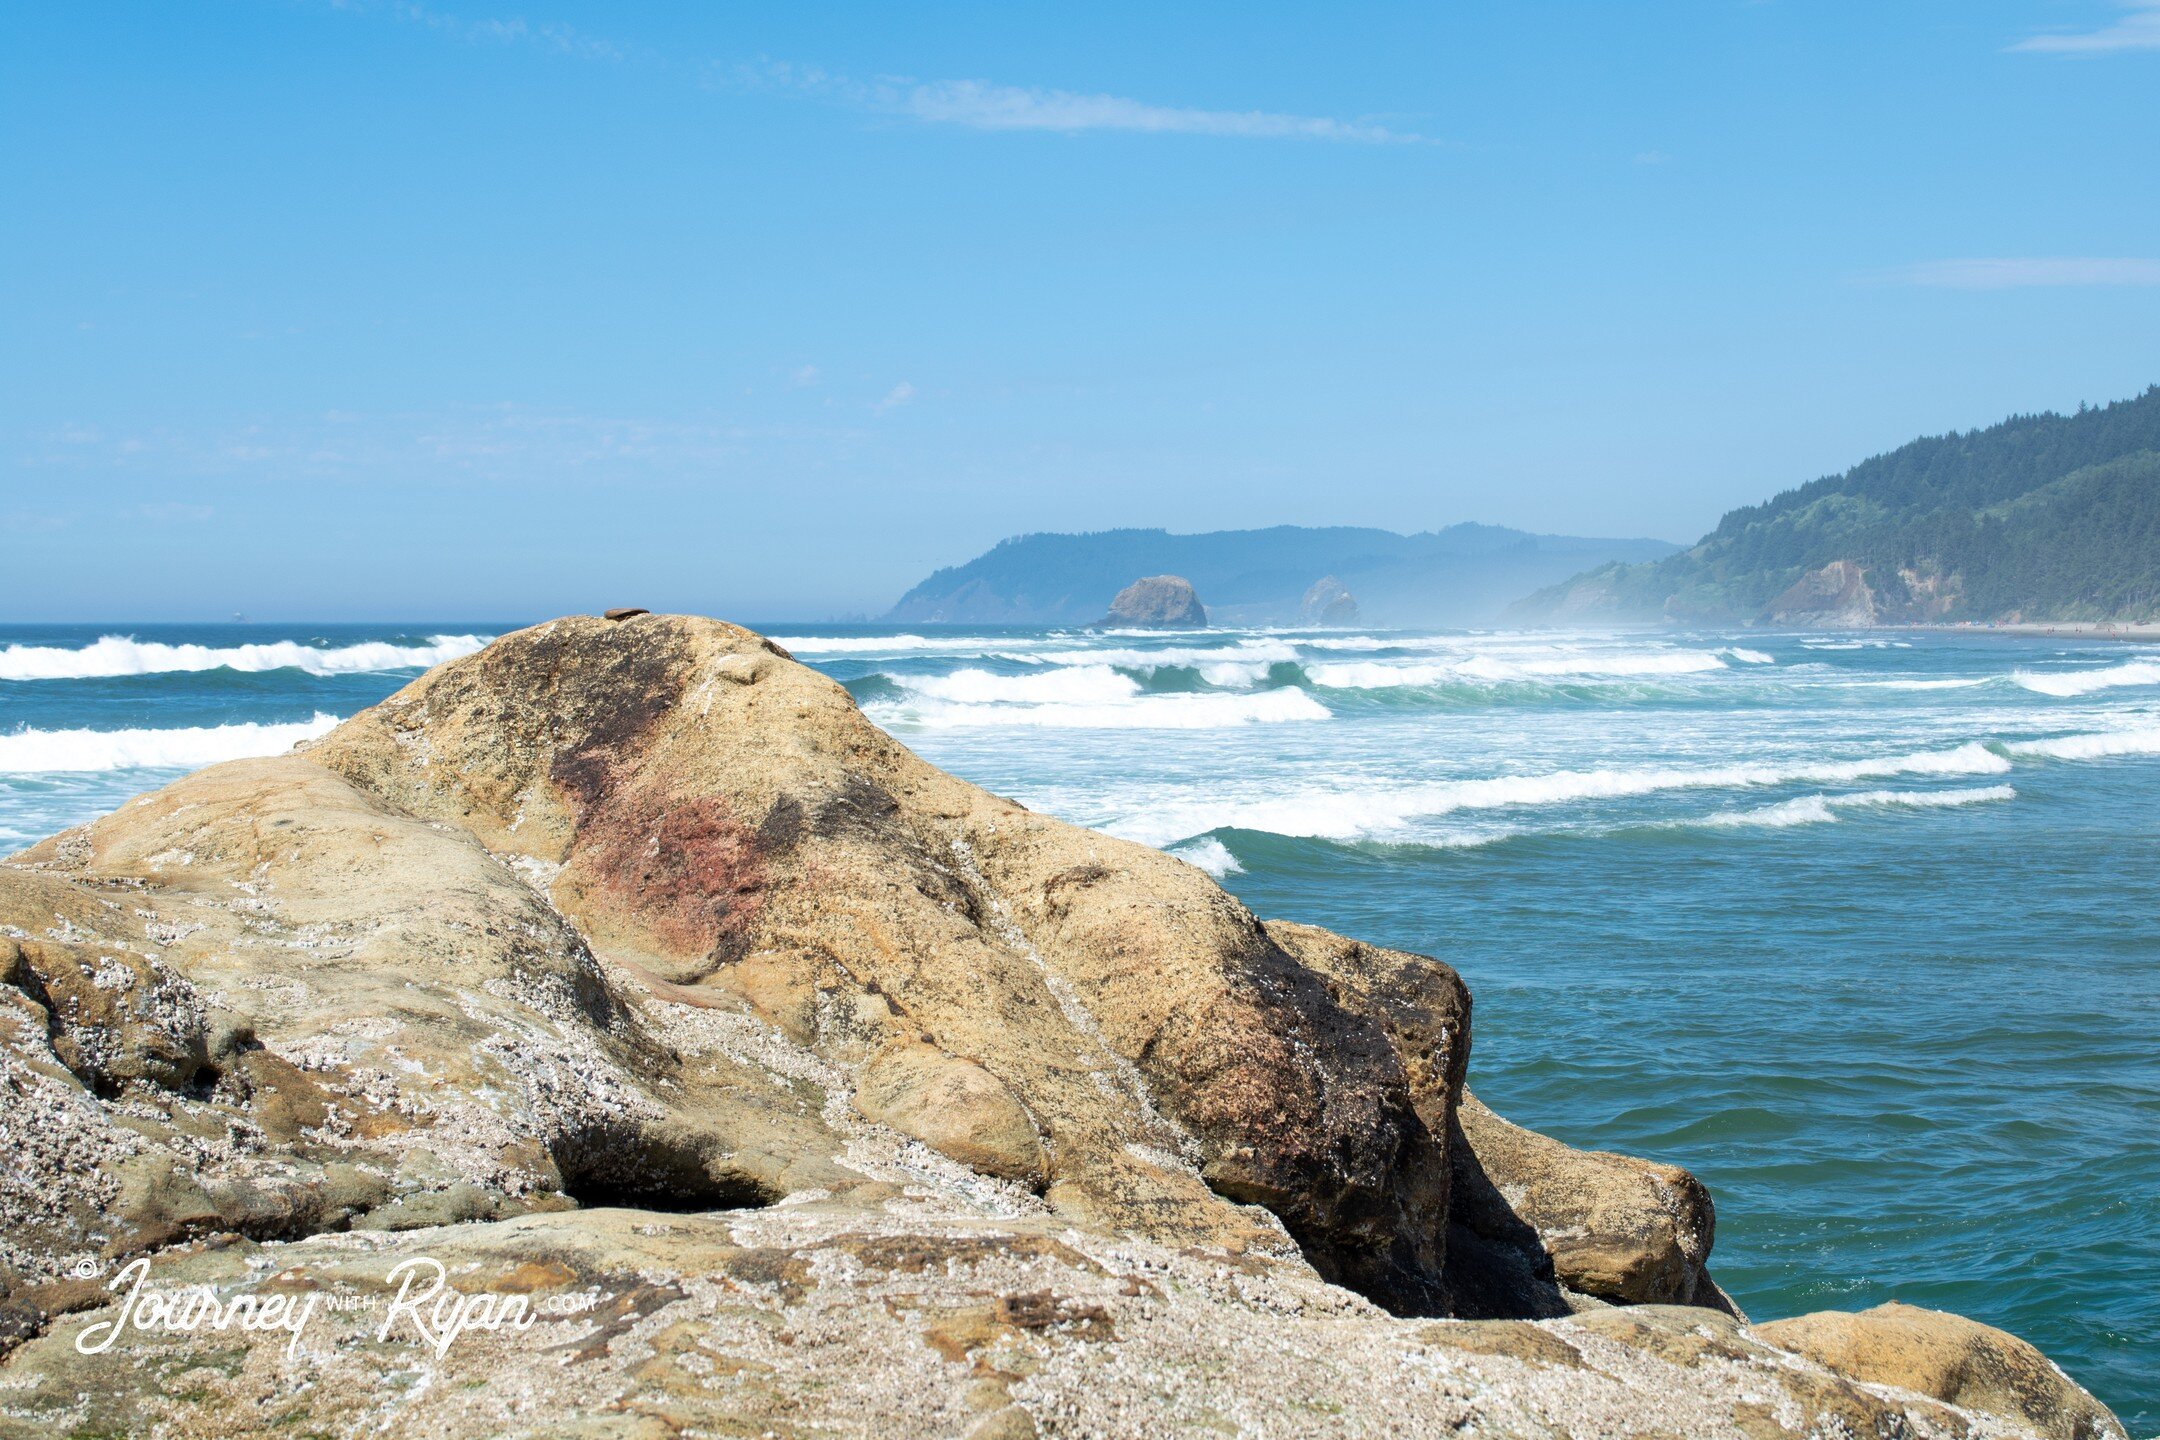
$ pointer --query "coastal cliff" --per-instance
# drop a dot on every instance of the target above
(803, 1088)
(2042, 518)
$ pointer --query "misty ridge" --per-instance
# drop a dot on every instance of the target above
(2043, 517)
(1465, 574)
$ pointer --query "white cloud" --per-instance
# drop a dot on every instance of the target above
(804, 376)
(2138, 29)
(899, 395)
(2023, 273)
(982, 105)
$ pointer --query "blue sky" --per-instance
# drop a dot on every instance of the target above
(382, 309)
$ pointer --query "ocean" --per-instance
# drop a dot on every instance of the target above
(1860, 928)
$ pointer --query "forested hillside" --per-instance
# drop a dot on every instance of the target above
(2043, 517)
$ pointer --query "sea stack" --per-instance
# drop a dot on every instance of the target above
(1159, 602)
(1328, 602)
(624, 978)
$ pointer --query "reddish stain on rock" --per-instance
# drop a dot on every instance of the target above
(692, 873)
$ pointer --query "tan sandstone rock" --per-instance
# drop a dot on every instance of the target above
(927, 1115)
(1949, 1358)
(955, 1107)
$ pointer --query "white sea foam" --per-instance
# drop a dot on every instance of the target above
(1211, 855)
(1593, 662)
(1076, 685)
(1234, 674)
(883, 644)
(1355, 642)
(1200, 711)
(1746, 656)
(32, 752)
(1240, 652)
(121, 655)
(1346, 814)
(2067, 683)
(2090, 747)
(1547, 665)
(1381, 674)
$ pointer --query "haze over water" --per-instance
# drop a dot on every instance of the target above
(1858, 927)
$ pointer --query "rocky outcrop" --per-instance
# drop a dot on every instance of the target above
(1948, 1358)
(1531, 1213)
(795, 1086)
(1837, 596)
(1328, 602)
(1159, 602)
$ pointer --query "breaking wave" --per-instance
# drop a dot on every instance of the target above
(2090, 747)
(33, 752)
(1343, 814)
(112, 655)
(2064, 684)
(1822, 809)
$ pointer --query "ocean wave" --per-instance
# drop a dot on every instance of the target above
(2090, 747)
(113, 655)
(1189, 711)
(1500, 669)
(1805, 810)
(1916, 684)
(1822, 809)
(2064, 684)
(1746, 656)
(1342, 814)
(34, 752)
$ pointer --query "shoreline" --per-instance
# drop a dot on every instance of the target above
(2134, 631)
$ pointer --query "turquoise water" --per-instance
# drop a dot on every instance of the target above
(1862, 928)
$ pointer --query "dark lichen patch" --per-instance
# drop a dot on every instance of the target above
(859, 808)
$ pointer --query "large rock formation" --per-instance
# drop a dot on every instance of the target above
(1159, 602)
(789, 1085)
(1328, 602)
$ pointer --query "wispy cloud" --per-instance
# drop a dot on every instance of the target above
(2138, 29)
(542, 34)
(983, 105)
(2016, 274)
(899, 395)
(974, 104)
